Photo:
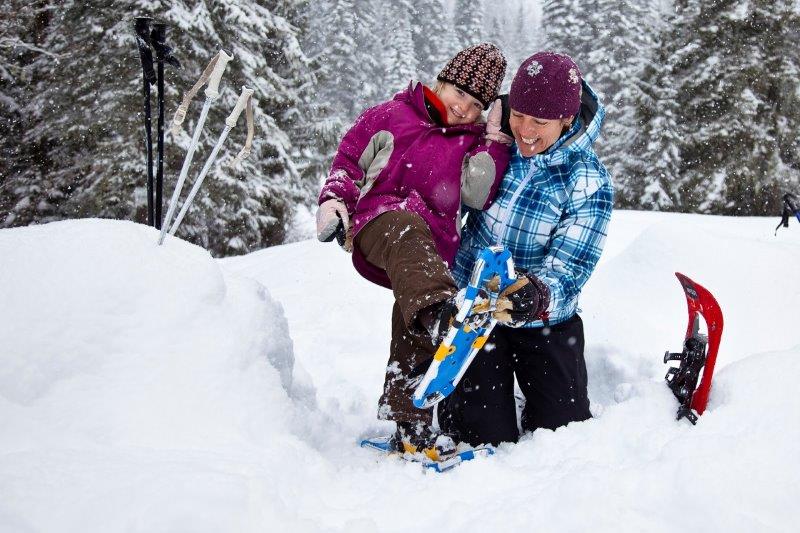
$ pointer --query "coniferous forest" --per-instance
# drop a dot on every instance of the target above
(702, 96)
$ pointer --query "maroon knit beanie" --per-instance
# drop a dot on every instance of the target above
(479, 70)
(548, 86)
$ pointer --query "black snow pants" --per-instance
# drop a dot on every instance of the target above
(551, 371)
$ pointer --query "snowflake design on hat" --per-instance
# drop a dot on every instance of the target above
(534, 68)
(573, 76)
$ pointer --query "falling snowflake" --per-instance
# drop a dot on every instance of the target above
(534, 68)
(573, 76)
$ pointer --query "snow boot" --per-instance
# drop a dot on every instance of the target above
(415, 438)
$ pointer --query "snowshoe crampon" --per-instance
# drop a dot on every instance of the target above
(388, 445)
(699, 352)
(493, 272)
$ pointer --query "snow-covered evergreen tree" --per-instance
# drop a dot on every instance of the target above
(612, 41)
(399, 61)
(82, 124)
(432, 34)
(647, 174)
(736, 76)
(469, 22)
(517, 35)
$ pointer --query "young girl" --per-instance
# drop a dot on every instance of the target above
(395, 188)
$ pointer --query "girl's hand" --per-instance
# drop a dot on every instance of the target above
(494, 123)
(332, 221)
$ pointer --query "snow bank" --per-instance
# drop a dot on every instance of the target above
(197, 418)
(131, 370)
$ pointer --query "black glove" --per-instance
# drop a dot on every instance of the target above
(523, 301)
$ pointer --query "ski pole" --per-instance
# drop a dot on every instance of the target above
(163, 55)
(230, 122)
(141, 28)
(791, 201)
(790, 207)
(212, 74)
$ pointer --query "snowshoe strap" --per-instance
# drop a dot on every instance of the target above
(212, 74)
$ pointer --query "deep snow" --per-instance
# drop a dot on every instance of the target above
(158, 389)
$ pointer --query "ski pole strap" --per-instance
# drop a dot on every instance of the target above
(244, 101)
(163, 51)
(212, 74)
(141, 27)
(244, 153)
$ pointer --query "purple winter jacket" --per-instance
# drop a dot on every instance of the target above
(396, 158)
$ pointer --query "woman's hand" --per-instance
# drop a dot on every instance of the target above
(523, 301)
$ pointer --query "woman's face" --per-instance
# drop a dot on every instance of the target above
(536, 135)
(461, 107)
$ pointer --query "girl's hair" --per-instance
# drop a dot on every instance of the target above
(437, 89)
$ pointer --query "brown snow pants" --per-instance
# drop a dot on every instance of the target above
(401, 243)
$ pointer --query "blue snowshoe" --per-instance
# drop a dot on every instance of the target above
(493, 272)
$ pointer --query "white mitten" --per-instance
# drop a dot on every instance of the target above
(332, 219)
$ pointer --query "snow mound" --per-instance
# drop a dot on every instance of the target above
(155, 389)
(135, 340)
(127, 364)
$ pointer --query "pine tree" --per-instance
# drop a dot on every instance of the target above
(567, 29)
(620, 27)
(399, 59)
(614, 44)
(516, 35)
(468, 22)
(83, 127)
(432, 34)
(647, 176)
(736, 77)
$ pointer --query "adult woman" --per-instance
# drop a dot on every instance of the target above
(551, 211)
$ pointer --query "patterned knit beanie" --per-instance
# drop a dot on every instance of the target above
(478, 70)
(548, 86)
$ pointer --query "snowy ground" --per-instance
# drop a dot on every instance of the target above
(156, 389)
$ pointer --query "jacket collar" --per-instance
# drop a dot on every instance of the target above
(414, 95)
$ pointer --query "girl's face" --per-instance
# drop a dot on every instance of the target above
(461, 107)
(536, 135)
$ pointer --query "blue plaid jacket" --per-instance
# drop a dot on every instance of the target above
(560, 206)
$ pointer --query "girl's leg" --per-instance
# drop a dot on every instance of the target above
(551, 372)
(401, 243)
(407, 353)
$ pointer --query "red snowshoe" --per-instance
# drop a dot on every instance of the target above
(699, 351)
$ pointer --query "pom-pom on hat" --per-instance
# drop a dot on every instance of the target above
(547, 85)
(478, 70)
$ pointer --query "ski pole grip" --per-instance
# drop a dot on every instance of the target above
(212, 90)
(240, 104)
